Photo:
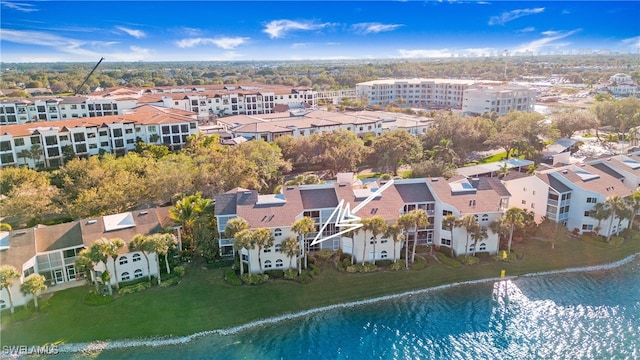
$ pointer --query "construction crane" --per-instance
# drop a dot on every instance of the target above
(87, 78)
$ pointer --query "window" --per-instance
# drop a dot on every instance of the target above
(6, 158)
(128, 131)
(78, 137)
(123, 260)
(277, 232)
(117, 132)
(137, 274)
(35, 140)
(384, 254)
(278, 247)
(483, 247)
(591, 200)
(267, 249)
(18, 141)
(125, 276)
(267, 264)
(64, 138)
(136, 257)
(5, 145)
(103, 133)
(445, 242)
(587, 213)
(279, 263)
(587, 227)
(524, 202)
(91, 135)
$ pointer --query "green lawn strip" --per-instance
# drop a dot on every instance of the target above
(203, 301)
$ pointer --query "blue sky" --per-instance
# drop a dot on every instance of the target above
(84, 31)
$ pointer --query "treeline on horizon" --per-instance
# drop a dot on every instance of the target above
(63, 78)
(152, 175)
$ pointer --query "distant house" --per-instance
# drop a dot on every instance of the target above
(51, 251)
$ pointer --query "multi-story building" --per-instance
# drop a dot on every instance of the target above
(45, 143)
(619, 85)
(484, 198)
(500, 99)
(51, 251)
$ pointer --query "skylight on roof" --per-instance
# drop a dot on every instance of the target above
(462, 187)
(631, 163)
(118, 221)
(586, 176)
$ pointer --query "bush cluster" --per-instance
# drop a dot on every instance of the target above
(232, 278)
(170, 282)
(179, 270)
(469, 260)
(324, 254)
(130, 289)
(384, 263)
(254, 279)
(366, 268)
(399, 265)
(447, 260)
(291, 274)
(275, 274)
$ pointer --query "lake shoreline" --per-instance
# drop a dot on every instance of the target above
(97, 346)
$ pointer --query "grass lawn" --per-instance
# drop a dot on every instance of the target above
(203, 301)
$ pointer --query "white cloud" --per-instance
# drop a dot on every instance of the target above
(548, 41)
(279, 28)
(138, 34)
(76, 50)
(19, 6)
(226, 43)
(411, 54)
(374, 27)
(512, 15)
(633, 43)
(527, 29)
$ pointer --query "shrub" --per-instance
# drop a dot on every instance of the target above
(354, 268)
(291, 274)
(324, 254)
(134, 288)
(420, 263)
(315, 270)
(469, 260)
(339, 266)
(305, 278)
(399, 265)
(275, 274)
(616, 241)
(369, 267)
(384, 263)
(95, 299)
(232, 278)
(346, 262)
(254, 279)
(447, 260)
(170, 282)
(421, 249)
(179, 271)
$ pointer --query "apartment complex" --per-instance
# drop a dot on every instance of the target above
(484, 198)
(470, 96)
(45, 143)
(207, 101)
(619, 85)
(51, 251)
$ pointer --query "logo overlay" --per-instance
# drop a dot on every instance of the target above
(345, 218)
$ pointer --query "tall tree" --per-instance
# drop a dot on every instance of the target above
(450, 222)
(617, 206)
(8, 274)
(263, 239)
(406, 221)
(245, 240)
(377, 226)
(420, 220)
(163, 244)
(469, 223)
(303, 227)
(633, 202)
(111, 247)
(395, 147)
(365, 227)
(394, 231)
(85, 263)
(187, 211)
(33, 284)
(291, 248)
(142, 244)
(233, 227)
(515, 218)
(479, 233)
(600, 212)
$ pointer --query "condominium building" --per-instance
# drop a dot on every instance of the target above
(619, 85)
(46, 143)
(500, 99)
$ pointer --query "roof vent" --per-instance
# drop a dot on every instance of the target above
(91, 222)
(565, 171)
(434, 179)
(145, 212)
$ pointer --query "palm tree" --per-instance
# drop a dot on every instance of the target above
(633, 202)
(291, 248)
(365, 227)
(263, 239)
(406, 221)
(33, 284)
(111, 247)
(164, 243)
(469, 223)
(421, 220)
(100, 251)
(303, 227)
(352, 234)
(233, 227)
(85, 263)
(395, 232)
(600, 212)
(24, 154)
(245, 240)
(35, 153)
(444, 152)
(500, 227)
(141, 243)
(449, 222)
(513, 217)
(8, 274)
(617, 206)
(187, 211)
(378, 226)
(479, 233)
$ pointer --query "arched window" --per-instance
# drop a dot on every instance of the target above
(485, 217)
(136, 257)
(267, 264)
(2, 304)
(483, 247)
(137, 274)
(267, 249)
(277, 232)
(279, 263)
(123, 260)
(278, 247)
(125, 276)
(384, 254)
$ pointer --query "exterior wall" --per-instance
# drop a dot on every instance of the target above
(501, 100)
(384, 247)
(132, 266)
(272, 258)
(529, 193)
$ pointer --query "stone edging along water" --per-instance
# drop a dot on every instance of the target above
(97, 346)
